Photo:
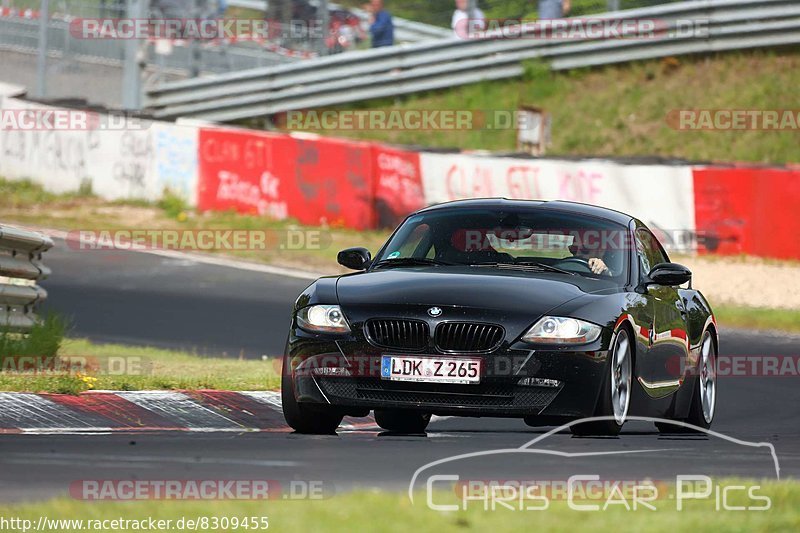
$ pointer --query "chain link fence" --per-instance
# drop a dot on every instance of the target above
(75, 62)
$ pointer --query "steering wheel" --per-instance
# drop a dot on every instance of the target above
(577, 261)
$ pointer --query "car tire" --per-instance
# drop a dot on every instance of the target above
(704, 395)
(315, 420)
(402, 421)
(615, 392)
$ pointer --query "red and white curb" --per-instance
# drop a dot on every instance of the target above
(122, 411)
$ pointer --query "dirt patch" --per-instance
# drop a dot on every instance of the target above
(747, 282)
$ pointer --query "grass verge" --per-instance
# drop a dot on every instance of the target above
(350, 511)
(620, 110)
(758, 318)
(24, 202)
(44, 339)
(82, 366)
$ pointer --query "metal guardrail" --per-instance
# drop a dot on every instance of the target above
(20, 268)
(394, 71)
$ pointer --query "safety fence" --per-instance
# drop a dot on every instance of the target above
(690, 27)
(19, 32)
(320, 180)
(20, 268)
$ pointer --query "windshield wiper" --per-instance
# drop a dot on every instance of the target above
(540, 266)
(545, 266)
(411, 261)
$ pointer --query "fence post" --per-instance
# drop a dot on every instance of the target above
(325, 23)
(195, 53)
(41, 60)
(131, 71)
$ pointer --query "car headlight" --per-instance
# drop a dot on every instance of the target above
(558, 330)
(322, 318)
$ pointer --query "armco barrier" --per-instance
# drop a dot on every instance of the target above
(312, 179)
(751, 211)
(389, 72)
(20, 267)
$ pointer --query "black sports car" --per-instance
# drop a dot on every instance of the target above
(550, 311)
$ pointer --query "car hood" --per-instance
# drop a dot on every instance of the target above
(461, 292)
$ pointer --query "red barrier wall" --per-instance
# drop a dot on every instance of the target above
(319, 180)
(312, 179)
(398, 184)
(748, 211)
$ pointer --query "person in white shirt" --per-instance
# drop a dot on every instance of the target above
(463, 24)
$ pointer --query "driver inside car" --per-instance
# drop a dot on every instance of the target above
(597, 260)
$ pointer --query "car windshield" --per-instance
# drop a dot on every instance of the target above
(525, 239)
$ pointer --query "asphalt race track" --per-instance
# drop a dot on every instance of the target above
(148, 299)
(144, 299)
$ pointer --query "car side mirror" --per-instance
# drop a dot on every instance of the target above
(354, 258)
(669, 275)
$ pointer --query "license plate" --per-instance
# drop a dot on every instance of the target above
(430, 369)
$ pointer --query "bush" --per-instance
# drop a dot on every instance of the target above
(44, 339)
(173, 205)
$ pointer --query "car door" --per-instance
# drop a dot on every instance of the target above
(667, 333)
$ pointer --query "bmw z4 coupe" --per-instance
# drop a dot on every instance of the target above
(547, 311)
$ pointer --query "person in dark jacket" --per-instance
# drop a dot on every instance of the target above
(553, 9)
(381, 25)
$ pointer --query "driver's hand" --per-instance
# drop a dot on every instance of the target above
(598, 266)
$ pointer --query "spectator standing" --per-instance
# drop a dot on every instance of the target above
(464, 22)
(381, 26)
(553, 9)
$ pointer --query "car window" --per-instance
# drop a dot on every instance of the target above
(649, 251)
(416, 244)
(515, 238)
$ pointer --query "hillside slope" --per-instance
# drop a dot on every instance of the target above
(622, 110)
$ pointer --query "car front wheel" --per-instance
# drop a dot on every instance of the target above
(615, 396)
(317, 420)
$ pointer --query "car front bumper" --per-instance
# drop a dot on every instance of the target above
(516, 381)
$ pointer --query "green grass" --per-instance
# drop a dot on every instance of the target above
(44, 339)
(387, 511)
(119, 367)
(621, 110)
(24, 202)
(758, 318)
(24, 193)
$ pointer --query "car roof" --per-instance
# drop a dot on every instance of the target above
(555, 205)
